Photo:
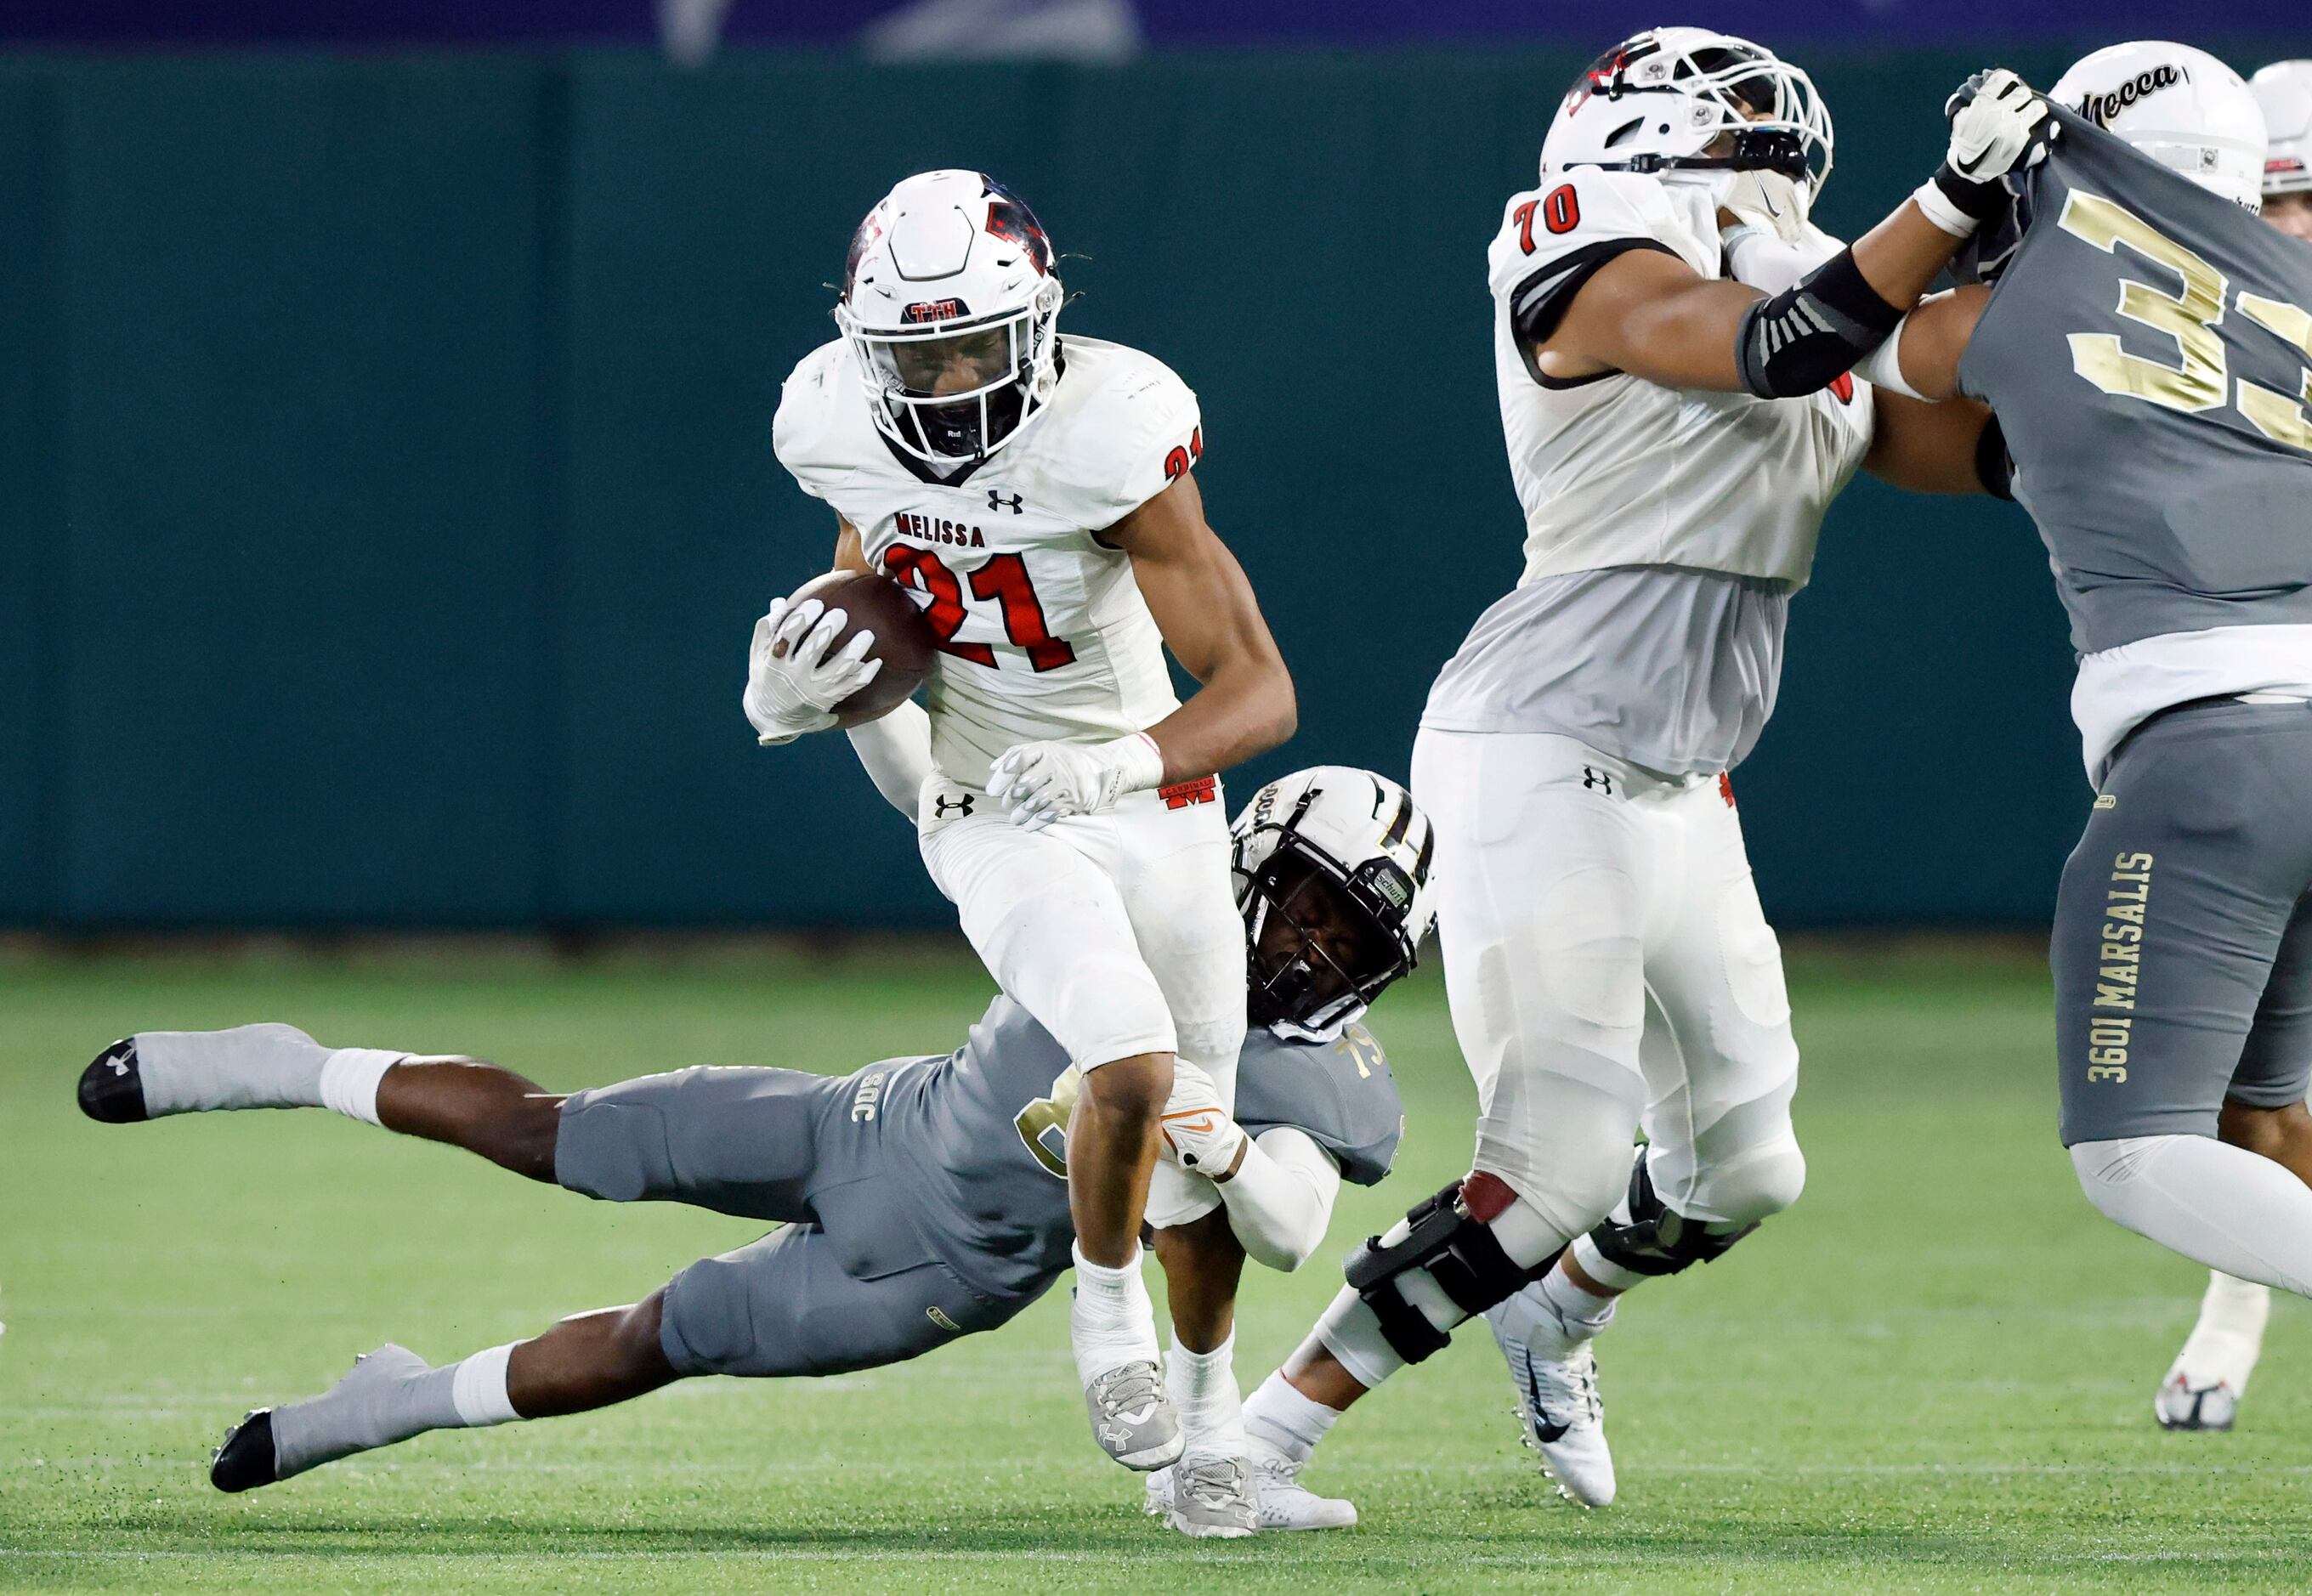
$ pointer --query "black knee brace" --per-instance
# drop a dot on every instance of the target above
(1658, 1240)
(1456, 1250)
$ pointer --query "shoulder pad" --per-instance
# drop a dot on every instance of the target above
(809, 405)
(1584, 208)
(1130, 428)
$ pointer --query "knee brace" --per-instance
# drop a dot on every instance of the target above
(1444, 1262)
(1657, 1240)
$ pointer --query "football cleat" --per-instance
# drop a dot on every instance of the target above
(1556, 1378)
(1132, 1418)
(1210, 1496)
(246, 1460)
(1285, 1503)
(110, 1088)
(2184, 1406)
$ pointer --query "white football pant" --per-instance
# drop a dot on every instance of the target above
(1609, 968)
(1118, 931)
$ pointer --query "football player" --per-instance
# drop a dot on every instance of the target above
(921, 1199)
(2204, 1386)
(2144, 340)
(1609, 969)
(1039, 493)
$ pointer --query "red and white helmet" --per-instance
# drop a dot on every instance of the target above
(1660, 101)
(2284, 91)
(1333, 880)
(2178, 105)
(950, 306)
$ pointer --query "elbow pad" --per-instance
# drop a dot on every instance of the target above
(1806, 337)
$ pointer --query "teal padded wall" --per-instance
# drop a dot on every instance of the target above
(386, 490)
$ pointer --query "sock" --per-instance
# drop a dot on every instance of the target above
(2219, 1205)
(1583, 1312)
(268, 1065)
(2229, 1338)
(1285, 1421)
(478, 1390)
(350, 1079)
(1111, 1321)
(1203, 1387)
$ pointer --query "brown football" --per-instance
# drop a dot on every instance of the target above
(904, 640)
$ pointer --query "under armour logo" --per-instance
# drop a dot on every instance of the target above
(942, 803)
(1600, 780)
(119, 1065)
(996, 501)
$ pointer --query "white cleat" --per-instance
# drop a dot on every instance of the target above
(1285, 1503)
(2182, 1405)
(1556, 1378)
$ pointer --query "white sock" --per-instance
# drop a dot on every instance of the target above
(2229, 1338)
(1286, 1422)
(349, 1080)
(2222, 1206)
(478, 1389)
(1203, 1387)
(1111, 1321)
(1584, 1313)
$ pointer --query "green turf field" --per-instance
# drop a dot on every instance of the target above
(1934, 1375)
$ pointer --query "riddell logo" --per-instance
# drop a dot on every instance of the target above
(915, 315)
(2100, 108)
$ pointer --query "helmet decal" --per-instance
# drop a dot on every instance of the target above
(1009, 217)
(928, 311)
(2101, 107)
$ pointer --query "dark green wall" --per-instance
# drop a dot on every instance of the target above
(386, 490)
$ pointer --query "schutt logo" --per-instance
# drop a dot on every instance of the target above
(2100, 108)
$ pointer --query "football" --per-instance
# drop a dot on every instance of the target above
(904, 640)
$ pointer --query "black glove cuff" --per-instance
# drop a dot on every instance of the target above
(1980, 201)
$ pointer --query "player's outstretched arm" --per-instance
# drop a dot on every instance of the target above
(1650, 314)
(1205, 608)
(1280, 1198)
(1934, 448)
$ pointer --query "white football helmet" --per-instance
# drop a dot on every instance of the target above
(2284, 92)
(2180, 106)
(1333, 880)
(951, 307)
(1659, 103)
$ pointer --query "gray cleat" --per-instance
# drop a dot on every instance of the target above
(1132, 1418)
(1213, 1497)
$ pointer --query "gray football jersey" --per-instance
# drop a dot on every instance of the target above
(1341, 1093)
(2145, 349)
(1671, 668)
(985, 1131)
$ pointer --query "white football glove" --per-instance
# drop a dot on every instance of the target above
(1773, 201)
(792, 685)
(1998, 127)
(1041, 783)
(1198, 1133)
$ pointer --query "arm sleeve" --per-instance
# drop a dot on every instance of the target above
(1279, 1200)
(897, 750)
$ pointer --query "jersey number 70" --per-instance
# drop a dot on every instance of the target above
(2201, 383)
(1004, 579)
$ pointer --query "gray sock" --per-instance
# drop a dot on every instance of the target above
(389, 1396)
(268, 1065)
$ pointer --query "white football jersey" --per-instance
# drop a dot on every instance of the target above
(1044, 634)
(1614, 471)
